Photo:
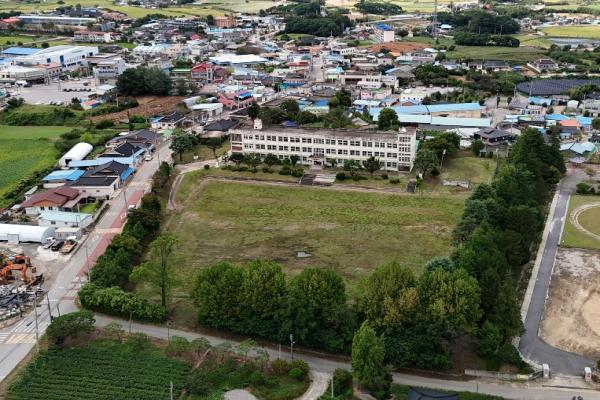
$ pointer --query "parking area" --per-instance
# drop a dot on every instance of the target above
(56, 92)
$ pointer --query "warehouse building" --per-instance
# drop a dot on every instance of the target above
(77, 153)
(16, 234)
(68, 57)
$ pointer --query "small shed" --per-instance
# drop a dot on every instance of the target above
(77, 153)
(14, 233)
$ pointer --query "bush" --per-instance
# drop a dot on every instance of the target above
(206, 166)
(298, 172)
(296, 373)
(257, 379)
(115, 301)
(104, 124)
(267, 170)
(584, 188)
(342, 383)
(285, 170)
(384, 176)
(280, 367)
(301, 365)
(341, 176)
(70, 325)
(395, 181)
(137, 119)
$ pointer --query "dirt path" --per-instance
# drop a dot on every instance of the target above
(318, 385)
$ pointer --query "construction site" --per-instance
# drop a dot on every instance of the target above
(20, 283)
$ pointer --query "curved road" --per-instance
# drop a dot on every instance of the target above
(531, 346)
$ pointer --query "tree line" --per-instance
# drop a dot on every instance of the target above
(476, 39)
(112, 270)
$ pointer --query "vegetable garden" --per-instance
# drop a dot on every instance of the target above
(103, 369)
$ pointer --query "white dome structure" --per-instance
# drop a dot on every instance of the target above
(77, 153)
(14, 233)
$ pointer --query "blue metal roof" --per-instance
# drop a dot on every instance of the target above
(556, 117)
(425, 110)
(384, 27)
(584, 120)
(20, 51)
(64, 175)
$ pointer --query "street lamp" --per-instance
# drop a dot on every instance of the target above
(292, 343)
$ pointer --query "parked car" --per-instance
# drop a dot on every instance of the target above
(148, 157)
(69, 245)
(49, 242)
(57, 245)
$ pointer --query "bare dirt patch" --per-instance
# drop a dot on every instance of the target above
(399, 47)
(572, 315)
(149, 105)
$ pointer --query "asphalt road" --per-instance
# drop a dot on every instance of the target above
(508, 390)
(531, 345)
(18, 340)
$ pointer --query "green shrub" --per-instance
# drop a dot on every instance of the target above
(257, 379)
(280, 367)
(267, 170)
(285, 170)
(395, 181)
(384, 176)
(206, 166)
(296, 373)
(341, 176)
(301, 365)
(298, 172)
(104, 124)
(70, 325)
(584, 188)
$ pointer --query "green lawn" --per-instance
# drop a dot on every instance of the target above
(31, 132)
(88, 208)
(576, 31)
(203, 152)
(474, 169)
(589, 219)
(351, 232)
(533, 41)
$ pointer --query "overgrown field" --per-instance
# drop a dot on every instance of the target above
(349, 232)
(99, 370)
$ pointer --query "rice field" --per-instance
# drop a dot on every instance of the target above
(574, 31)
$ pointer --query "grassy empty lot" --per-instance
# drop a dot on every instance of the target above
(474, 169)
(589, 220)
(349, 232)
(31, 132)
(575, 31)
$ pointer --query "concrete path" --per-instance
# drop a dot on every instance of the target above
(542, 390)
(318, 385)
(531, 346)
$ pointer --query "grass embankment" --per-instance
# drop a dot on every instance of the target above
(589, 220)
(349, 232)
(400, 392)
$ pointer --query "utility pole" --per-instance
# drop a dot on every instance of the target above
(37, 333)
(49, 309)
(332, 395)
(434, 28)
(171, 390)
(292, 346)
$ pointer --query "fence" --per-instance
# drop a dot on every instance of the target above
(504, 376)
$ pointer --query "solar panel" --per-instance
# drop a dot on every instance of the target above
(549, 87)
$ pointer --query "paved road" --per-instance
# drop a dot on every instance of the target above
(531, 345)
(509, 390)
(17, 341)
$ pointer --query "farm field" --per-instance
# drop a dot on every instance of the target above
(579, 225)
(102, 369)
(24, 150)
(580, 31)
(349, 232)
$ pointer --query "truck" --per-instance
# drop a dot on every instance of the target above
(69, 245)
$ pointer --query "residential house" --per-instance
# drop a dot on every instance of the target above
(208, 73)
(111, 169)
(169, 121)
(143, 138)
(545, 64)
(60, 177)
(99, 187)
(61, 198)
(493, 137)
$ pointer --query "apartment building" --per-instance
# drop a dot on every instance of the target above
(93, 37)
(383, 33)
(395, 150)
